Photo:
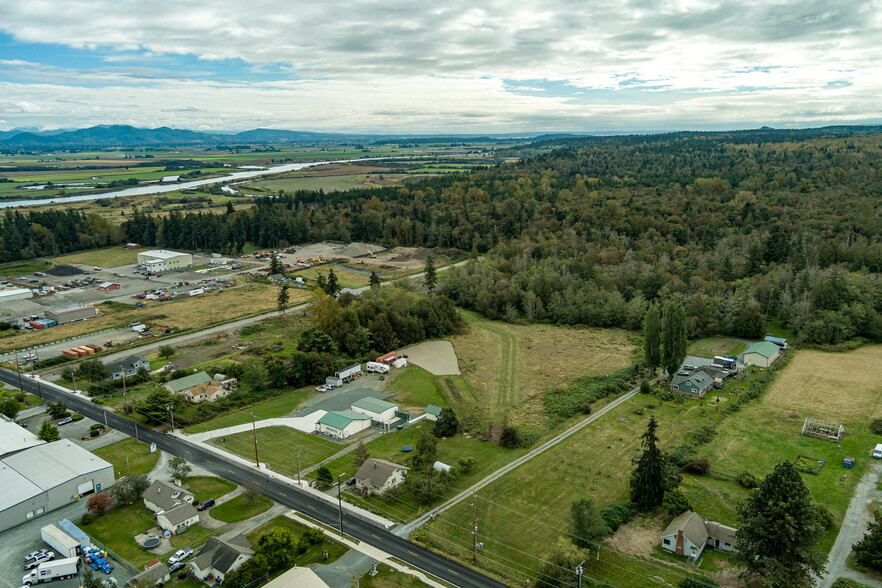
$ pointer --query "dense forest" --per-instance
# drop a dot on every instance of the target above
(740, 226)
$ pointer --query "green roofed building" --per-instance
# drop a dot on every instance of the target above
(342, 424)
(762, 354)
(377, 409)
(433, 412)
(187, 382)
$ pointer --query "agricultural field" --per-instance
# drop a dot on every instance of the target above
(109, 257)
(713, 346)
(594, 463)
(278, 447)
(508, 367)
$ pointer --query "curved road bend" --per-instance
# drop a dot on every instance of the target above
(292, 497)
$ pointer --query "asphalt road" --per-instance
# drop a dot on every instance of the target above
(290, 496)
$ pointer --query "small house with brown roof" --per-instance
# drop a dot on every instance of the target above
(206, 392)
(689, 533)
(378, 476)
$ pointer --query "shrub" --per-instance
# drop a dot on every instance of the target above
(825, 515)
(616, 514)
(876, 427)
(314, 536)
(666, 396)
(748, 480)
(510, 438)
(683, 455)
(96, 426)
(77, 417)
(86, 519)
(699, 466)
(94, 433)
(675, 502)
(703, 434)
(644, 387)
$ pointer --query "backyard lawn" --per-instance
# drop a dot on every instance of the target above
(416, 387)
(128, 457)
(713, 346)
(240, 509)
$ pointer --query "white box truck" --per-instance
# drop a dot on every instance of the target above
(60, 569)
(375, 367)
(63, 544)
(877, 453)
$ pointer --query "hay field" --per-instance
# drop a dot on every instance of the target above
(845, 387)
(510, 365)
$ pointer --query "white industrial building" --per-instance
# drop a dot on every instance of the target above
(378, 410)
(342, 424)
(48, 476)
(15, 438)
(9, 294)
(161, 260)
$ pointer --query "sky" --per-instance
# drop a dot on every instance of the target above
(475, 66)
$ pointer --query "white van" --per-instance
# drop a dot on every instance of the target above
(877, 453)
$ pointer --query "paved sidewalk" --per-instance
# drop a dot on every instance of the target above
(368, 550)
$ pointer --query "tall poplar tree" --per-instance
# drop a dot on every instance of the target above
(648, 478)
(652, 338)
(673, 337)
(431, 276)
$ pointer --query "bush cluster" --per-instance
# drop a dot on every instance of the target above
(616, 514)
(562, 403)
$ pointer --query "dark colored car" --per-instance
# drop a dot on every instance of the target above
(350, 482)
(207, 503)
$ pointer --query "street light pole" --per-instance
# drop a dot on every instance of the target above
(254, 430)
(171, 411)
(579, 573)
(340, 502)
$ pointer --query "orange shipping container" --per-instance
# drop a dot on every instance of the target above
(70, 353)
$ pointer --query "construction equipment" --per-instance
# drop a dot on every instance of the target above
(371, 253)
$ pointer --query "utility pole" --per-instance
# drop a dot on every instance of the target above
(430, 486)
(474, 529)
(579, 573)
(74, 380)
(256, 459)
(171, 411)
(18, 367)
(340, 502)
(298, 469)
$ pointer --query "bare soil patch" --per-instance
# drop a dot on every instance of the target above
(638, 540)
(437, 357)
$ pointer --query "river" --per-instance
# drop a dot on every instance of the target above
(161, 188)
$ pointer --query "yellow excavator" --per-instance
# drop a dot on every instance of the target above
(372, 254)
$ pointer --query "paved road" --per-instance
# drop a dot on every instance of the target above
(448, 570)
(854, 525)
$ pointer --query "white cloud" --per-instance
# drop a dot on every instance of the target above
(668, 63)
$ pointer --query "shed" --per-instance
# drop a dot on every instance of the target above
(388, 358)
(433, 412)
(378, 410)
(108, 286)
(441, 467)
(762, 354)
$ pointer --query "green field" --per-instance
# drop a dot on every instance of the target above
(713, 346)
(108, 257)
(240, 509)
(415, 387)
(27, 267)
(270, 409)
(278, 448)
(128, 457)
(205, 487)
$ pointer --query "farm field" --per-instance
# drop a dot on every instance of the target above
(278, 447)
(712, 346)
(594, 463)
(109, 257)
(507, 366)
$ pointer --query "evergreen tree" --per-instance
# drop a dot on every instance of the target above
(361, 455)
(778, 528)
(324, 479)
(332, 286)
(652, 338)
(283, 297)
(648, 478)
(868, 551)
(375, 280)
(275, 265)
(320, 283)
(431, 276)
(48, 432)
(673, 337)
(447, 424)
(230, 208)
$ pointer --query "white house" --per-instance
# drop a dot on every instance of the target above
(378, 476)
(219, 557)
(178, 519)
(173, 506)
(689, 533)
(342, 424)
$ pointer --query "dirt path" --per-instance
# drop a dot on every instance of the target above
(506, 374)
(854, 525)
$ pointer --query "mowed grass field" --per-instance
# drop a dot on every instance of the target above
(713, 346)
(128, 457)
(524, 512)
(108, 257)
(508, 367)
(195, 312)
(278, 447)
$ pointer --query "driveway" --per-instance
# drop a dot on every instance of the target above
(854, 525)
(342, 398)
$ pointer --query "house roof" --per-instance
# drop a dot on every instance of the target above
(297, 578)
(699, 378)
(435, 410)
(207, 388)
(188, 381)
(340, 419)
(150, 576)
(375, 472)
(160, 493)
(373, 404)
(692, 525)
(764, 348)
(179, 514)
(128, 363)
(721, 532)
(220, 555)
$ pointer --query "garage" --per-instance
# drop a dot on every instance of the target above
(86, 488)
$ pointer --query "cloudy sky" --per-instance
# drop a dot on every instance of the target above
(451, 66)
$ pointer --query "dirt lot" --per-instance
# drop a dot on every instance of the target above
(399, 258)
(847, 385)
(436, 357)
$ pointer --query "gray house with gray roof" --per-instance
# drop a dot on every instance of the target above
(219, 557)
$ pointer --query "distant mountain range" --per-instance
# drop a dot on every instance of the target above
(128, 136)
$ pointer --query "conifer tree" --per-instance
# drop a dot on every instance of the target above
(652, 338)
(673, 337)
(648, 478)
(431, 276)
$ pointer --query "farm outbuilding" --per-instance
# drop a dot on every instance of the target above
(762, 354)
(108, 286)
(342, 424)
(378, 410)
(433, 412)
(822, 429)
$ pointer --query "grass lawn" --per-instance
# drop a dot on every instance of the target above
(313, 554)
(713, 346)
(109, 257)
(239, 509)
(497, 363)
(270, 409)
(594, 463)
(24, 267)
(279, 446)
(775, 329)
(128, 457)
(415, 387)
(204, 487)
(117, 528)
(388, 577)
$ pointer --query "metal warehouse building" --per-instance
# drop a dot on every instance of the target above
(40, 479)
(160, 260)
(69, 314)
(10, 294)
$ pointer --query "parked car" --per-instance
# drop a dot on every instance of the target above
(350, 482)
(207, 503)
(33, 555)
(178, 556)
(65, 421)
(38, 559)
(176, 566)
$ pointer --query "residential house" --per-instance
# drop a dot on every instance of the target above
(433, 412)
(689, 533)
(695, 384)
(297, 578)
(128, 367)
(173, 506)
(762, 354)
(342, 424)
(206, 392)
(378, 476)
(156, 574)
(219, 557)
(178, 519)
(182, 384)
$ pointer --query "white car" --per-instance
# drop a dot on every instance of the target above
(38, 559)
(178, 556)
